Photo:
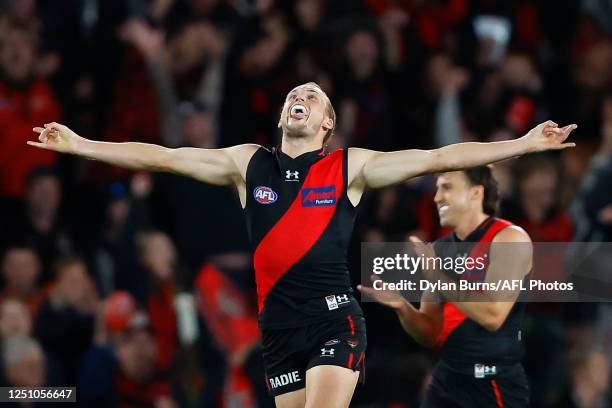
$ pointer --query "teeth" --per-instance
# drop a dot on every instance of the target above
(298, 110)
(443, 209)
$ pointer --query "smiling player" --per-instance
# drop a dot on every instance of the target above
(480, 339)
(300, 203)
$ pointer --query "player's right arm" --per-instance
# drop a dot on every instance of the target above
(215, 166)
(424, 324)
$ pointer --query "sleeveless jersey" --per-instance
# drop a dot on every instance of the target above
(464, 343)
(300, 221)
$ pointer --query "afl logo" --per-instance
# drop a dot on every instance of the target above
(264, 195)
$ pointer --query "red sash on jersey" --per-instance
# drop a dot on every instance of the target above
(298, 229)
(453, 317)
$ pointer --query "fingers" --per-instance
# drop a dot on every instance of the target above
(39, 145)
(569, 128)
(38, 129)
(554, 130)
(369, 292)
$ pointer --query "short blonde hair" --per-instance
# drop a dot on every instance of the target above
(329, 111)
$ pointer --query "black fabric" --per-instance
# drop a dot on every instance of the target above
(451, 390)
(298, 297)
(289, 353)
(470, 343)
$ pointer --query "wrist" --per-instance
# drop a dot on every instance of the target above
(526, 145)
(81, 146)
(400, 308)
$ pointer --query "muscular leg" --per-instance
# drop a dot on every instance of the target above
(294, 399)
(330, 386)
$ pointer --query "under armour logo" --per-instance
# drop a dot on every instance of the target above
(327, 352)
(292, 175)
(342, 298)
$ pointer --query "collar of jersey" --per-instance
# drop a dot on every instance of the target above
(314, 154)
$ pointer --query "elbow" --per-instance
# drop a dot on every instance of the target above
(166, 160)
(428, 342)
(429, 339)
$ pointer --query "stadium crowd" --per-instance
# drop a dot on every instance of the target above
(138, 288)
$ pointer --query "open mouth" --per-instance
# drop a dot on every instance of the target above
(298, 112)
(443, 209)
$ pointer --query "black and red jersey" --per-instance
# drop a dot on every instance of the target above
(300, 221)
(465, 343)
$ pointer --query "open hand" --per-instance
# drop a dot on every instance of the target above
(390, 298)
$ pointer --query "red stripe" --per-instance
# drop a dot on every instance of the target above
(298, 229)
(453, 317)
(497, 226)
(500, 404)
(361, 357)
(267, 382)
(351, 324)
(350, 362)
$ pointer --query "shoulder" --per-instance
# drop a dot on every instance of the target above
(248, 149)
(512, 233)
(242, 154)
(357, 153)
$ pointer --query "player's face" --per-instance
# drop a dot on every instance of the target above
(304, 112)
(455, 198)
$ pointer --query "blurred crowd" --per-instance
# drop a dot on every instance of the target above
(138, 288)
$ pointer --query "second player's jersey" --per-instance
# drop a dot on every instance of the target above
(300, 222)
(465, 345)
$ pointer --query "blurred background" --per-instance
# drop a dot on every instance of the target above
(138, 288)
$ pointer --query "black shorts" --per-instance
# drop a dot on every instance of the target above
(507, 388)
(288, 353)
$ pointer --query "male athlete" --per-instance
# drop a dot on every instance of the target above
(479, 339)
(300, 201)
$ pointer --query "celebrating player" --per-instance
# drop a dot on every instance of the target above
(300, 202)
(479, 339)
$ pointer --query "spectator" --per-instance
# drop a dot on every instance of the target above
(536, 203)
(38, 221)
(590, 381)
(24, 363)
(65, 321)
(26, 99)
(21, 271)
(120, 370)
(157, 257)
(15, 320)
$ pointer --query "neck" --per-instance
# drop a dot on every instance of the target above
(469, 224)
(293, 147)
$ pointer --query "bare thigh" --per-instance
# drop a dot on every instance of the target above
(330, 386)
(293, 399)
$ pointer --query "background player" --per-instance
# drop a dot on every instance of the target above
(480, 341)
(307, 121)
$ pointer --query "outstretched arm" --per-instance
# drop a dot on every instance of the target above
(216, 166)
(369, 168)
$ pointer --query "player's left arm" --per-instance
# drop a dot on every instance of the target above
(368, 168)
(510, 259)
